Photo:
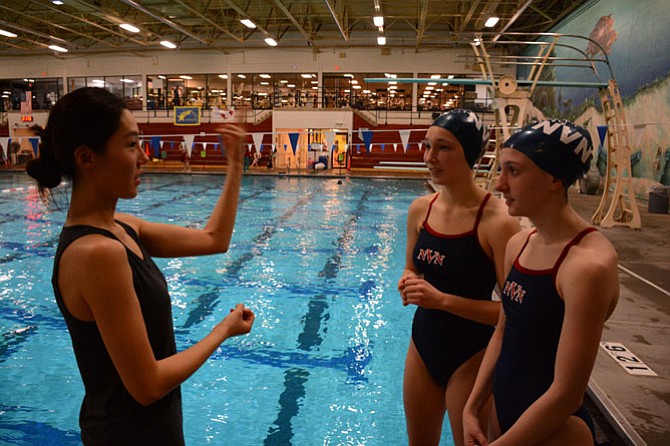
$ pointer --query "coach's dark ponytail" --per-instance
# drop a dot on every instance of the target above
(87, 116)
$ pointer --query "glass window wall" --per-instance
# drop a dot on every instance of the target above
(45, 92)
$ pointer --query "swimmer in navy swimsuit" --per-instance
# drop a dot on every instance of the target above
(561, 287)
(455, 251)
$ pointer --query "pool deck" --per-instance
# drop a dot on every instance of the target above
(636, 406)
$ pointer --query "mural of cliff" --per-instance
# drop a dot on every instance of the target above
(637, 44)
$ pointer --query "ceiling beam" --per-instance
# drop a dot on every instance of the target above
(468, 16)
(513, 19)
(209, 21)
(423, 13)
(167, 22)
(245, 14)
(63, 28)
(341, 22)
(295, 22)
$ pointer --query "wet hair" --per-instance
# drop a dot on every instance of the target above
(560, 148)
(88, 117)
(468, 128)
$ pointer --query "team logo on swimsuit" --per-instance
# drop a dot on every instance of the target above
(514, 291)
(430, 256)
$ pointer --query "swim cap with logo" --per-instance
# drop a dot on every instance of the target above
(468, 129)
(560, 148)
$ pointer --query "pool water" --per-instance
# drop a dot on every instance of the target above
(316, 261)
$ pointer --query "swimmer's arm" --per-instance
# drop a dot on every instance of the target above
(165, 240)
(588, 282)
(494, 234)
(106, 285)
(483, 388)
(415, 215)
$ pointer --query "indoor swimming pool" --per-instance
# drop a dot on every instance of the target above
(317, 262)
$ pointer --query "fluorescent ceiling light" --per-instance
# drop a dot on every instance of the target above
(129, 27)
(265, 76)
(381, 40)
(270, 41)
(223, 76)
(57, 2)
(306, 76)
(168, 44)
(378, 20)
(435, 76)
(7, 33)
(248, 23)
(241, 76)
(160, 76)
(491, 22)
(183, 76)
(127, 81)
(60, 49)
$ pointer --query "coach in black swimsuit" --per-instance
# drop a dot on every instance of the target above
(112, 295)
(561, 287)
(455, 248)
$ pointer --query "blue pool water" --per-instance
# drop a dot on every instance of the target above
(317, 262)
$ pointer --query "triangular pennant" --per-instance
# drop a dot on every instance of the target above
(293, 137)
(156, 145)
(358, 148)
(404, 138)
(162, 142)
(395, 146)
(258, 141)
(367, 139)
(330, 138)
(188, 142)
(420, 146)
(5, 144)
(382, 147)
(639, 130)
(602, 131)
(35, 143)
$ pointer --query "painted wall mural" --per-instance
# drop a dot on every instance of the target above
(636, 43)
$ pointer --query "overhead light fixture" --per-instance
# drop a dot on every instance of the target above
(270, 41)
(223, 76)
(248, 23)
(57, 48)
(185, 77)
(378, 20)
(129, 27)
(242, 76)
(265, 76)
(7, 33)
(381, 40)
(57, 2)
(491, 22)
(168, 44)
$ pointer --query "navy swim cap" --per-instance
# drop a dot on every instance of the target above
(468, 129)
(560, 148)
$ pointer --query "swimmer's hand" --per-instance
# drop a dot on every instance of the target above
(233, 137)
(238, 322)
(402, 285)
